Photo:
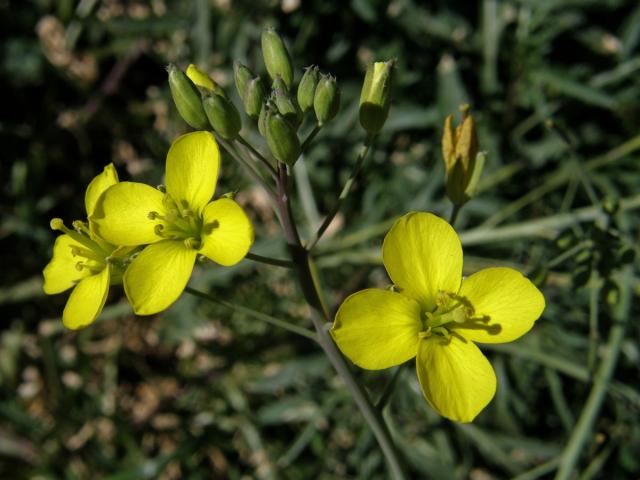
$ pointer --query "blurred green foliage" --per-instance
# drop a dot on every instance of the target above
(205, 391)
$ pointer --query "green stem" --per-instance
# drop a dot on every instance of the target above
(455, 210)
(343, 194)
(594, 312)
(310, 138)
(250, 169)
(319, 315)
(389, 389)
(258, 155)
(269, 261)
(255, 314)
(602, 378)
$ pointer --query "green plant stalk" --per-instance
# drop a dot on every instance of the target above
(603, 376)
(269, 261)
(559, 178)
(249, 168)
(455, 210)
(258, 155)
(343, 194)
(253, 313)
(310, 138)
(304, 266)
(594, 313)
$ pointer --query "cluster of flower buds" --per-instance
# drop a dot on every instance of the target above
(463, 162)
(278, 111)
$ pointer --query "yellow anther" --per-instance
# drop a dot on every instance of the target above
(158, 230)
(56, 224)
(79, 226)
(192, 243)
(208, 228)
(79, 266)
(425, 333)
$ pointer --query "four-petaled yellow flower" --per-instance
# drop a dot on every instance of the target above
(84, 261)
(436, 316)
(179, 224)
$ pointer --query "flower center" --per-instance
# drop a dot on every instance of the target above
(451, 310)
(91, 253)
(180, 222)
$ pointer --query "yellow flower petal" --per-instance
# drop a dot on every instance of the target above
(192, 169)
(200, 78)
(377, 329)
(122, 215)
(86, 300)
(97, 187)
(423, 255)
(456, 378)
(509, 301)
(157, 276)
(231, 234)
(61, 273)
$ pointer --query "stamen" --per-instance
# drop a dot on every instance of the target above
(153, 215)
(80, 227)
(57, 224)
(158, 230)
(79, 266)
(192, 243)
(187, 212)
(442, 331)
(442, 298)
(208, 228)
(171, 216)
(425, 333)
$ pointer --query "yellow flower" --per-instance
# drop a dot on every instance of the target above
(179, 224)
(435, 315)
(85, 262)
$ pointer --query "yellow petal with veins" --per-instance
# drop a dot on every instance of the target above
(423, 256)
(192, 170)
(121, 217)
(98, 186)
(506, 305)
(228, 232)
(377, 329)
(456, 378)
(87, 300)
(158, 275)
(61, 273)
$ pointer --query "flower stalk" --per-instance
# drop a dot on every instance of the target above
(304, 268)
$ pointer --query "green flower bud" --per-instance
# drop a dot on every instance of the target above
(276, 57)
(285, 104)
(375, 97)
(223, 116)
(241, 75)
(326, 100)
(262, 119)
(253, 97)
(282, 139)
(187, 99)
(307, 88)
